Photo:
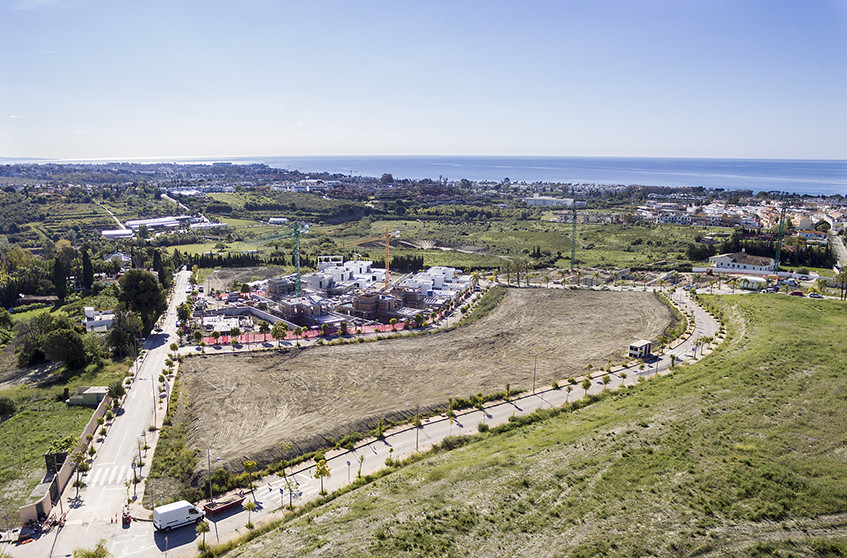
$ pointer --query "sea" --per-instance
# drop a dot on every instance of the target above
(813, 177)
(797, 176)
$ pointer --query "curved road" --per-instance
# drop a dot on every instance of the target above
(90, 518)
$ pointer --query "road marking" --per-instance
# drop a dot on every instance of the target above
(95, 474)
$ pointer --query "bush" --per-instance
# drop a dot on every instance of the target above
(482, 427)
(7, 406)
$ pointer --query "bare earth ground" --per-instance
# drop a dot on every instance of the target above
(245, 404)
(221, 279)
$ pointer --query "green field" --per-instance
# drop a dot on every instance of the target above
(739, 455)
(22, 446)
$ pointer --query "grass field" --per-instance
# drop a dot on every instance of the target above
(22, 446)
(245, 404)
(740, 455)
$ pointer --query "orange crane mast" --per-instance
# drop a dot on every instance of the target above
(387, 237)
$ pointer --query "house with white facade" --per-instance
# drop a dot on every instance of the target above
(97, 320)
(437, 280)
(741, 261)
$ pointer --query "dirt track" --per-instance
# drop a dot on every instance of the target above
(245, 404)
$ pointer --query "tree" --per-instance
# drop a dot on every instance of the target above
(7, 406)
(202, 529)
(99, 551)
(87, 270)
(183, 312)
(264, 328)
(31, 335)
(290, 485)
(116, 390)
(321, 471)
(245, 288)
(249, 467)
(216, 335)
(606, 380)
(126, 328)
(141, 293)
(569, 389)
(143, 232)
(279, 331)
(60, 279)
(233, 335)
(95, 348)
(78, 459)
(250, 507)
(841, 281)
(65, 345)
(198, 335)
(586, 384)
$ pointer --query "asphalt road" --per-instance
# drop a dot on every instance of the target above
(92, 510)
(91, 515)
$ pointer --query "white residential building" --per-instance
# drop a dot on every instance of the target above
(741, 261)
(96, 320)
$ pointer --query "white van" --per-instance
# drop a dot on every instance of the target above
(177, 514)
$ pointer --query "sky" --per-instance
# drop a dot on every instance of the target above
(84, 79)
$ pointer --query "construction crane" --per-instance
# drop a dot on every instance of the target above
(779, 242)
(298, 229)
(387, 237)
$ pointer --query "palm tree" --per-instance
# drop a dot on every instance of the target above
(99, 551)
(279, 331)
(250, 507)
(249, 467)
(841, 281)
(202, 529)
(321, 471)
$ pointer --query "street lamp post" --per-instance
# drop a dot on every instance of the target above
(209, 461)
(534, 368)
(416, 422)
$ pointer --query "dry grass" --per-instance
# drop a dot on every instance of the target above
(245, 404)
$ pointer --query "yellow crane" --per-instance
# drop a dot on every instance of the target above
(387, 237)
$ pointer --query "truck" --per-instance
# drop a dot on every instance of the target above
(177, 514)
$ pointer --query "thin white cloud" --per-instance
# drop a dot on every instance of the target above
(45, 4)
(14, 116)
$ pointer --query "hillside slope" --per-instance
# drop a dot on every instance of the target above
(743, 454)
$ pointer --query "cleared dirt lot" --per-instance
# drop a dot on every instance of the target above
(221, 279)
(246, 404)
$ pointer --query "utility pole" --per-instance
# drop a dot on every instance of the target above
(534, 368)
(209, 461)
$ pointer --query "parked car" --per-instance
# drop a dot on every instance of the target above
(815, 295)
(796, 293)
(177, 514)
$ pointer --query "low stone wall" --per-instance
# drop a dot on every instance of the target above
(44, 505)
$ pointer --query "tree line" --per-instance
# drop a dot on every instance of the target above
(796, 255)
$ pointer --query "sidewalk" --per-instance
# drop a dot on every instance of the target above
(400, 442)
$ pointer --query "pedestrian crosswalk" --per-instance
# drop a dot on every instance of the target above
(108, 475)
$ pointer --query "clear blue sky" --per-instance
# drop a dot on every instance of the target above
(689, 78)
